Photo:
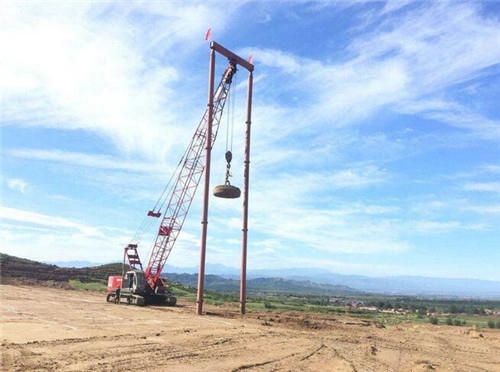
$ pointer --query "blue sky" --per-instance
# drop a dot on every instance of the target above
(376, 131)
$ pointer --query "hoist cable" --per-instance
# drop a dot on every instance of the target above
(228, 121)
(170, 181)
(233, 111)
(150, 222)
(147, 223)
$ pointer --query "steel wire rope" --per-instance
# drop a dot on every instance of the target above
(148, 227)
(231, 99)
(233, 109)
(229, 94)
(147, 223)
(228, 120)
(165, 195)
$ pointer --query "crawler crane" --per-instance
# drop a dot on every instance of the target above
(142, 285)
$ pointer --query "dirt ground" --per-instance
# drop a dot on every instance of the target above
(50, 329)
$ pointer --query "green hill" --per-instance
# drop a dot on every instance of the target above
(263, 285)
(14, 267)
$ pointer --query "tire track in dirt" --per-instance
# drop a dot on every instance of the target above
(313, 352)
(261, 364)
(120, 338)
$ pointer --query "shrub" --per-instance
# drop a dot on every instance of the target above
(457, 322)
(433, 320)
(449, 321)
(464, 322)
(498, 324)
(268, 305)
(491, 324)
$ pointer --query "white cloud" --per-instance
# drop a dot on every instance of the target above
(358, 177)
(17, 184)
(380, 209)
(38, 219)
(482, 171)
(428, 208)
(394, 5)
(441, 227)
(61, 245)
(405, 65)
(485, 209)
(88, 160)
(58, 238)
(302, 210)
(97, 67)
(289, 64)
(455, 115)
(332, 265)
(483, 186)
(491, 168)
(93, 67)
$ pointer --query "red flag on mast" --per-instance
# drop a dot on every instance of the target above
(250, 58)
(208, 34)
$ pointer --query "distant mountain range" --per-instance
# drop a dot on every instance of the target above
(75, 264)
(392, 285)
(264, 285)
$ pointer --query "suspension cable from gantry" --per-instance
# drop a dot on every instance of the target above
(226, 190)
(147, 223)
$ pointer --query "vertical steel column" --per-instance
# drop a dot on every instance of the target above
(206, 192)
(243, 278)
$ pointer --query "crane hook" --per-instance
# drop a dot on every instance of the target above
(227, 191)
(229, 157)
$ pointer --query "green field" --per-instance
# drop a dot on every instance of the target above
(383, 319)
(93, 286)
(320, 304)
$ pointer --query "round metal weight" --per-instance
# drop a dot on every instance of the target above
(227, 192)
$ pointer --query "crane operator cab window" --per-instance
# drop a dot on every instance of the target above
(128, 282)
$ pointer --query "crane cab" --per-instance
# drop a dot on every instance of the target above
(130, 288)
(134, 282)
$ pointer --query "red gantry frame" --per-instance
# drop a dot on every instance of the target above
(237, 60)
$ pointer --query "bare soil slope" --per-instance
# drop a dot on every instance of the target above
(50, 329)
